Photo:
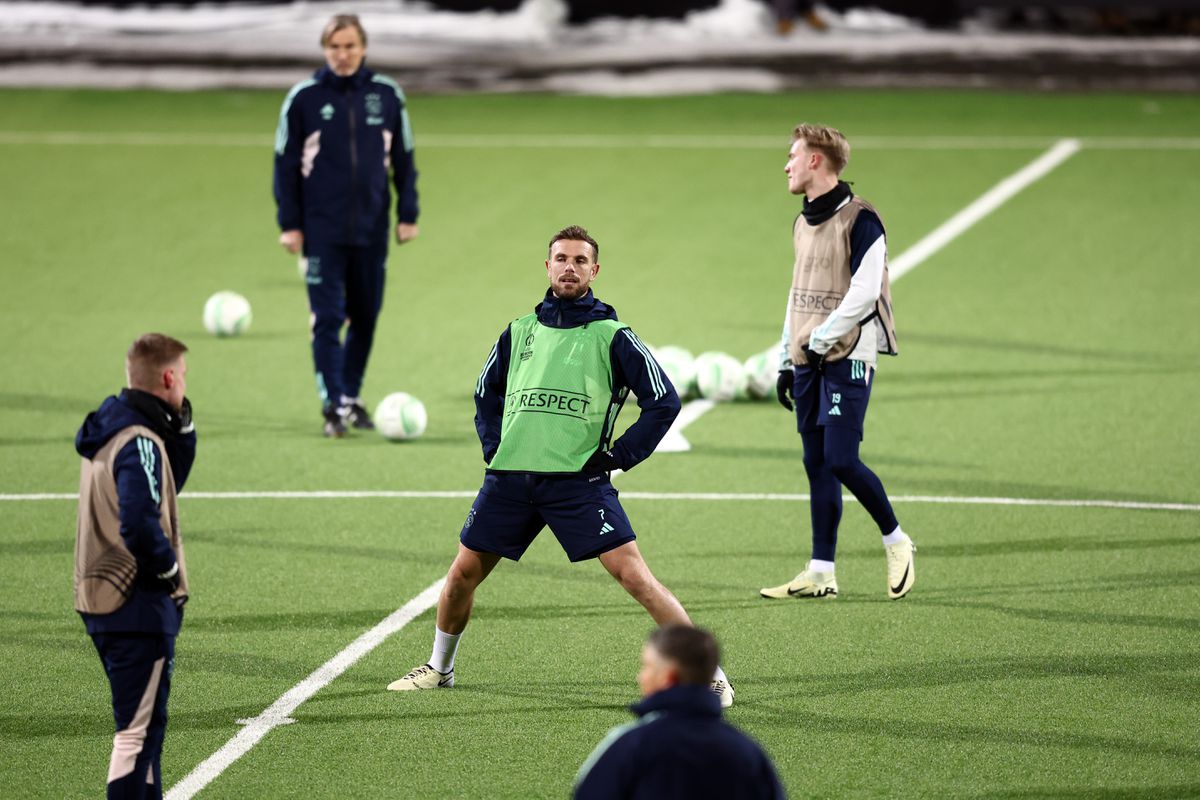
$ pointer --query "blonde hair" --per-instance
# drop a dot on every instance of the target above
(148, 356)
(825, 140)
(340, 22)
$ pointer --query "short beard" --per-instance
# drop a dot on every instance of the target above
(578, 292)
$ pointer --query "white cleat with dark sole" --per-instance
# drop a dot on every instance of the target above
(723, 690)
(901, 568)
(808, 584)
(423, 677)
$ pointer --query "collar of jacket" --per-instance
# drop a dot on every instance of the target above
(694, 700)
(327, 77)
(824, 206)
(555, 312)
(162, 419)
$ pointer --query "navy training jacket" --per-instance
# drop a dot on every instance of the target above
(678, 748)
(148, 609)
(634, 369)
(336, 140)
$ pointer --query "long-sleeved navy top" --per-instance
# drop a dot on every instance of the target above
(337, 138)
(632, 368)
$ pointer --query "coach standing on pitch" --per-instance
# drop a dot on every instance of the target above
(839, 318)
(546, 406)
(130, 576)
(339, 132)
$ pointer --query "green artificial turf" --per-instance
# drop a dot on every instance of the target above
(1049, 353)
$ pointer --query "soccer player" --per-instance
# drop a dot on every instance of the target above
(679, 747)
(839, 317)
(546, 404)
(130, 577)
(339, 133)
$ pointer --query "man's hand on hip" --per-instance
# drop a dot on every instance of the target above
(600, 461)
(292, 241)
(406, 232)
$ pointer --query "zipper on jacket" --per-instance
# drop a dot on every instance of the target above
(353, 165)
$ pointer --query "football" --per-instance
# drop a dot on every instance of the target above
(227, 314)
(719, 376)
(400, 416)
(762, 370)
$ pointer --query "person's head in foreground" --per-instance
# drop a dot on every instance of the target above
(678, 655)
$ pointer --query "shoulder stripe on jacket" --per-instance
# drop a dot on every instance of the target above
(656, 378)
(609, 740)
(491, 359)
(406, 132)
(146, 455)
(281, 133)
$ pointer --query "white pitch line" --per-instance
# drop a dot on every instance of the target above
(988, 202)
(278, 712)
(673, 440)
(602, 141)
(1135, 505)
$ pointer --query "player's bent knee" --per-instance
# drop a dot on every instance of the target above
(328, 322)
(460, 581)
(843, 468)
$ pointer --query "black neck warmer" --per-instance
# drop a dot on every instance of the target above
(821, 209)
(164, 420)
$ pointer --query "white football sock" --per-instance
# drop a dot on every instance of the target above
(445, 646)
(817, 565)
(719, 675)
(895, 537)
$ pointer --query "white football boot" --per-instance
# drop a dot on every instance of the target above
(724, 690)
(807, 584)
(423, 677)
(901, 568)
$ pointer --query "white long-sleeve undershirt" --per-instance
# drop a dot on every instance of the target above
(865, 287)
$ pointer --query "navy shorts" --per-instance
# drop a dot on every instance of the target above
(512, 508)
(838, 397)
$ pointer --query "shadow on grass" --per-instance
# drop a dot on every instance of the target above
(1075, 617)
(17, 727)
(1002, 734)
(974, 487)
(326, 549)
(19, 401)
(1053, 544)
(36, 441)
(1106, 355)
(1094, 793)
(1135, 580)
(356, 620)
(1160, 673)
(38, 547)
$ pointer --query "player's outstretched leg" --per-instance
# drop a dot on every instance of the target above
(469, 569)
(625, 563)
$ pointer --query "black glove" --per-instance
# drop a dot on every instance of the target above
(184, 424)
(601, 461)
(814, 359)
(168, 581)
(783, 388)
